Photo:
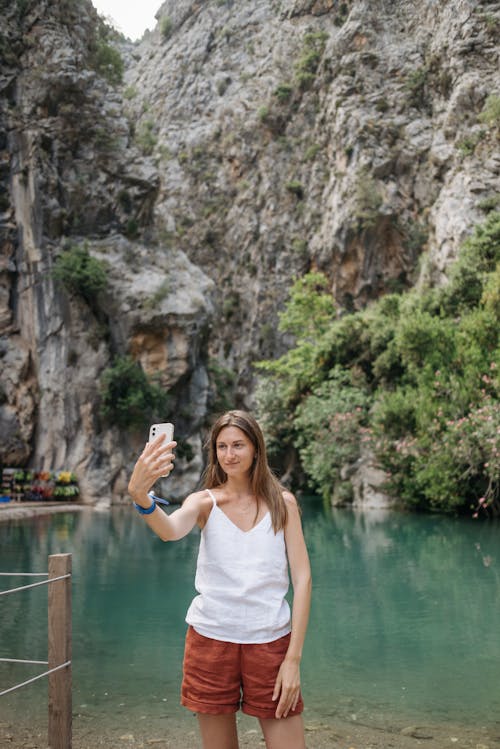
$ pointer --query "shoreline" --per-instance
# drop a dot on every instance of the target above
(26, 510)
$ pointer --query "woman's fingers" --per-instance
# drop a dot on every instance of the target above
(158, 444)
(159, 450)
(155, 461)
(288, 701)
(287, 687)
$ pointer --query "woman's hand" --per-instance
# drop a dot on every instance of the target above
(287, 687)
(155, 461)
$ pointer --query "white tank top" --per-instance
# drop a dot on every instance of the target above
(242, 579)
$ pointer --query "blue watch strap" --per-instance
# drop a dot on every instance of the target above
(145, 510)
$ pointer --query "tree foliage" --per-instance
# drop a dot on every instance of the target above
(413, 375)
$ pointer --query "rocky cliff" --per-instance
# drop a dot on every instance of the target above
(234, 148)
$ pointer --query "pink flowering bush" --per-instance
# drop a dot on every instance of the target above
(453, 462)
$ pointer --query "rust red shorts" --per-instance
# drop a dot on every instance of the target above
(220, 677)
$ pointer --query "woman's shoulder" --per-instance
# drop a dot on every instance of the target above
(200, 498)
(203, 503)
(293, 513)
(290, 499)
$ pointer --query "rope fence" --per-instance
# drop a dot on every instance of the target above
(23, 574)
(59, 647)
(35, 678)
(33, 585)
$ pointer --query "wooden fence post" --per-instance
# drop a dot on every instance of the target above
(60, 700)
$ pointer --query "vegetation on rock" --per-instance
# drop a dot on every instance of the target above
(105, 57)
(80, 273)
(129, 399)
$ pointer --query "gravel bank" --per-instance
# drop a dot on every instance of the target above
(337, 734)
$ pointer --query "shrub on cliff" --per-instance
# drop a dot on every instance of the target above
(108, 63)
(80, 273)
(105, 58)
(128, 398)
(166, 27)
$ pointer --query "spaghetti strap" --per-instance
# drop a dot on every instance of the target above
(213, 497)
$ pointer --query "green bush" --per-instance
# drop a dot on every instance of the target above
(146, 138)
(296, 188)
(166, 27)
(283, 92)
(342, 14)
(393, 414)
(128, 398)
(307, 64)
(311, 151)
(130, 93)
(108, 62)
(490, 114)
(416, 87)
(490, 203)
(479, 257)
(263, 114)
(368, 200)
(80, 273)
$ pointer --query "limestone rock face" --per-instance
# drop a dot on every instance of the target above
(248, 143)
(73, 178)
(322, 134)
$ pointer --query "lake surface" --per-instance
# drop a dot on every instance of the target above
(404, 625)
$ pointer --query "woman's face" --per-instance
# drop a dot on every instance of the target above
(235, 451)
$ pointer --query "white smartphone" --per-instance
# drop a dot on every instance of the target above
(167, 429)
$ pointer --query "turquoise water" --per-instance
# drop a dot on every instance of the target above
(404, 623)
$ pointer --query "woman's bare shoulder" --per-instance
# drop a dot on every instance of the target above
(203, 503)
(290, 499)
(202, 494)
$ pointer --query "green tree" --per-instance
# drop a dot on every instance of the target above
(329, 424)
(307, 317)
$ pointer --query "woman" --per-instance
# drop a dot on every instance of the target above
(242, 646)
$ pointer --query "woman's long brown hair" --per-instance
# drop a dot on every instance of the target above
(264, 484)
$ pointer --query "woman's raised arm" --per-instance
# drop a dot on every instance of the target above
(156, 461)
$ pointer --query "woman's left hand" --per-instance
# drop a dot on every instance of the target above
(287, 687)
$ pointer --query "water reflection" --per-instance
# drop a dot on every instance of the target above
(405, 613)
